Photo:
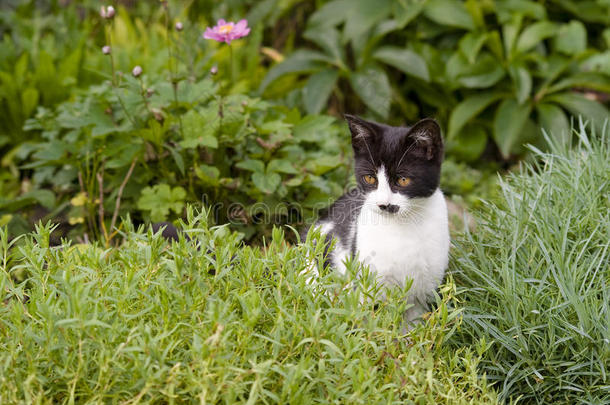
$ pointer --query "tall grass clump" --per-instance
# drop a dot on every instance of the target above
(536, 277)
(208, 320)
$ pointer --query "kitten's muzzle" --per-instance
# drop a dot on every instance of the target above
(391, 208)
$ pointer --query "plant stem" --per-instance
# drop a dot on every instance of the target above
(117, 204)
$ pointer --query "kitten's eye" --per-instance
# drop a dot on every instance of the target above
(369, 179)
(403, 181)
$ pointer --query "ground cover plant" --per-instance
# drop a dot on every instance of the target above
(211, 320)
(536, 277)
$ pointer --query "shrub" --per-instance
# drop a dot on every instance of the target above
(211, 320)
(489, 70)
(535, 277)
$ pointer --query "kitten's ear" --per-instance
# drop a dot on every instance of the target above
(428, 140)
(362, 132)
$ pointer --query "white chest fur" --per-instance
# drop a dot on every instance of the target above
(414, 244)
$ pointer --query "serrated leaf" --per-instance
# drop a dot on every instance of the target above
(198, 131)
(405, 60)
(508, 124)
(318, 89)
(160, 200)
(373, 87)
(267, 183)
(465, 111)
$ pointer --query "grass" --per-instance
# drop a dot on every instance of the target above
(211, 321)
(536, 278)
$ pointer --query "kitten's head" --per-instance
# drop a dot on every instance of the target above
(395, 165)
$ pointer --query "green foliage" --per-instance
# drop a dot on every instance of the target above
(535, 278)
(490, 70)
(211, 320)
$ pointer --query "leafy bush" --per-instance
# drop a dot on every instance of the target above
(535, 278)
(149, 144)
(498, 70)
(210, 320)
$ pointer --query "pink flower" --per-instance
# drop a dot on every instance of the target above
(227, 31)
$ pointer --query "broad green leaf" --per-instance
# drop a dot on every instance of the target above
(506, 9)
(301, 61)
(554, 121)
(281, 166)
(571, 38)
(485, 72)
(362, 15)
(404, 11)
(449, 12)
(523, 82)
(331, 13)
(267, 183)
(160, 200)
(600, 62)
(508, 125)
(468, 109)
(251, 165)
(405, 60)
(328, 39)
(471, 44)
(469, 143)
(208, 174)
(323, 164)
(313, 128)
(198, 131)
(534, 34)
(29, 101)
(318, 89)
(579, 105)
(588, 80)
(373, 87)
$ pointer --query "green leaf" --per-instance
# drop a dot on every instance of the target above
(534, 34)
(281, 166)
(160, 200)
(208, 174)
(523, 82)
(471, 44)
(582, 106)
(405, 60)
(252, 165)
(373, 87)
(323, 164)
(318, 89)
(599, 62)
(301, 61)
(404, 11)
(328, 38)
(449, 12)
(313, 128)
(267, 183)
(199, 130)
(508, 124)
(468, 109)
(469, 143)
(29, 101)
(588, 80)
(362, 15)
(331, 13)
(554, 121)
(571, 38)
(485, 72)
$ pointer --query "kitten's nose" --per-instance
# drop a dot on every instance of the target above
(391, 208)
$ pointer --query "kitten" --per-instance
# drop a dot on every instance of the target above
(396, 218)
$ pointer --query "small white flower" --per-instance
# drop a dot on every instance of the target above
(106, 50)
(179, 26)
(137, 71)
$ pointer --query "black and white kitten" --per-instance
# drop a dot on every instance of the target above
(395, 221)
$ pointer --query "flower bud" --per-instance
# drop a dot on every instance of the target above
(106, 50)
(149, 92)
(137, 71)
(107, 12)
(214, 70)
(179, 26)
